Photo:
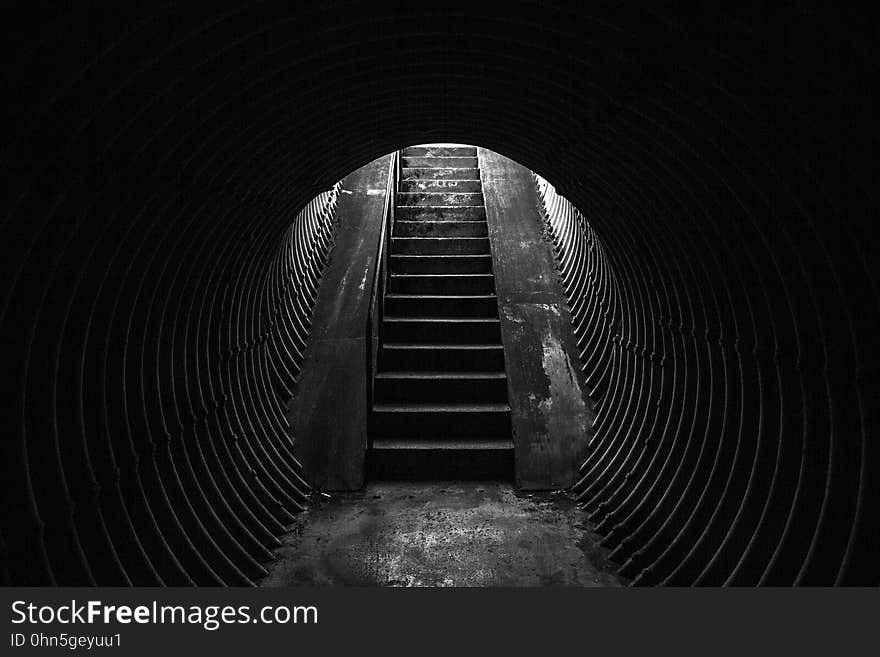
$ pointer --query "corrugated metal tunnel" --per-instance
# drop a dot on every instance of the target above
(169, 201)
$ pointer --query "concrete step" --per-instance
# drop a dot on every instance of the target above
(441, 305)
(441, 284)
(440, 185)
(440, 228)
(448, 173)
(403, 459)
(441, 198)
(438, 162)
(439, 245)
(445, 330)
(441, 421)
(439, 151)
(460, 264)
(440, 213)
(439, 357)
(409, 460)
(440, 387)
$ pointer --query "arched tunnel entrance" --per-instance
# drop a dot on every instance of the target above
(451, 289)
(154, 289)
(443, 350)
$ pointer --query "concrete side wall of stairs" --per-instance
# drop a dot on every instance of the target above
(551, 415)
(328, 414)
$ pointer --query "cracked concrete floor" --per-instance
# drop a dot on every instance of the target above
(441, 534)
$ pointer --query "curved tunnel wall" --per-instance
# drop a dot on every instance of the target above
(726, 160)
(160, 453)
(698, 472)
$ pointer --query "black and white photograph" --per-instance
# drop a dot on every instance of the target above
(304, 300)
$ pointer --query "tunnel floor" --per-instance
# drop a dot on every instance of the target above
(441, 534)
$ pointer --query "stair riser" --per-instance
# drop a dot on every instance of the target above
(442, 332)
(418, 213)
(441, 360)
(441, 265)
(442, 285)
(440, 246)
(441, 425)
(441, 307)
(438, 162)
(419, 464)
(440, 229)
(451, 173)
(425, 391)
(440, 151)
(445, 198)
(440, 185)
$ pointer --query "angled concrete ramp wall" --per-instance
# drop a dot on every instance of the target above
(550, 412)
(328, 414)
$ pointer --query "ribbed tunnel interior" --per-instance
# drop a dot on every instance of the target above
(159, 263)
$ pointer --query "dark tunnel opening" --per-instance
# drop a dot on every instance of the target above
(156, 296)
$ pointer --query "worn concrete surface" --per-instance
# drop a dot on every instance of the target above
(551, 414)
(328, 413)
(441, 534)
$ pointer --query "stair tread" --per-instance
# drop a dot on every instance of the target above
(440, 345)
(459, 171)
(418, 443)
(395, 295)
(441, 166)
(450, 319)
(442, 221)
(422, 222)
(441, 255)
(442, 408)
(442, 275)
(410, 166)
(451, 376)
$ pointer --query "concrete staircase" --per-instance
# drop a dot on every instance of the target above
(440, 391)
